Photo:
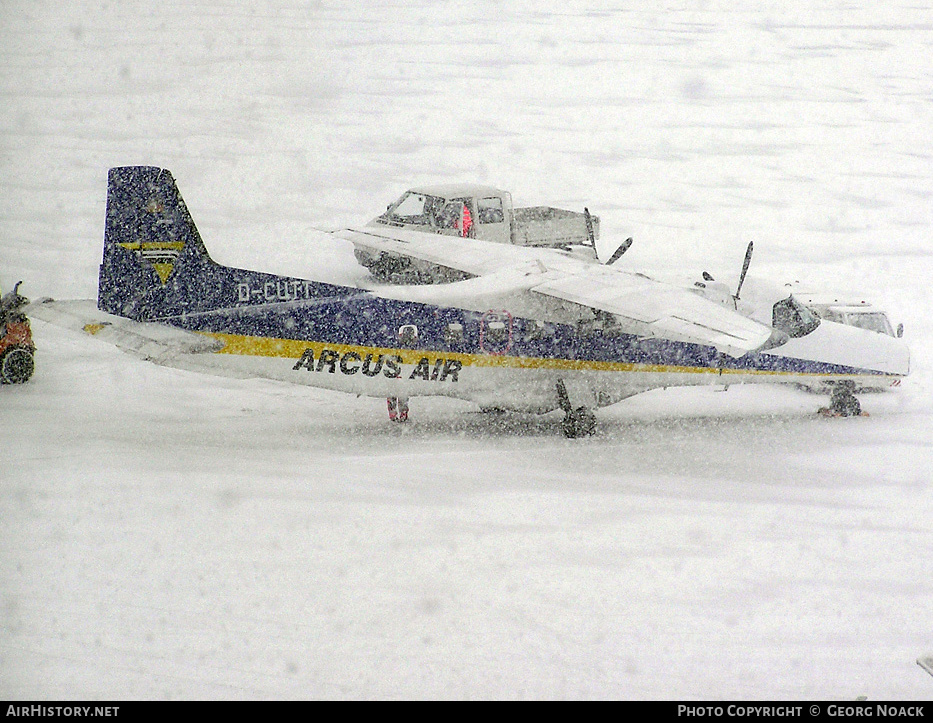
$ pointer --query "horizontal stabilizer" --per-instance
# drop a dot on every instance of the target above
(151, 341)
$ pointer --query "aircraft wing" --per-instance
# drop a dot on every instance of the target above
(643, 306)
(473, 257)
(654, 309)
(151, 341)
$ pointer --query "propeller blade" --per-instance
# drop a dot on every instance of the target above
(590, 235)
(748, 260)
(619, 251)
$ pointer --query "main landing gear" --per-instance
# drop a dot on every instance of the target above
(398, 408)
(579, 422)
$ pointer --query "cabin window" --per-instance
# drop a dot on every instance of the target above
(794, 319)
(490, 210)
(497, 332)
(407, 336)
(537, 330)
(453, 334)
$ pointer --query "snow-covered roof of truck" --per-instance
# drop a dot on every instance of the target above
(453, 190)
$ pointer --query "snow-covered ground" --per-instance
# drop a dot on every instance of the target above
(171, 535)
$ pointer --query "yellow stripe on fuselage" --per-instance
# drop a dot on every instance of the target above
(292, 349)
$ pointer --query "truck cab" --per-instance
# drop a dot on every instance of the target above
(487, 214)
(469, 210)
(476, 212)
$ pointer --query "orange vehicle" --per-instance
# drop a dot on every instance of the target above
(17, 351)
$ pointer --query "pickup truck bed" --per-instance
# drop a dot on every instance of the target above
(547, 226)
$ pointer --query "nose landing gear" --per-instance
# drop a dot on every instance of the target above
(843, 402)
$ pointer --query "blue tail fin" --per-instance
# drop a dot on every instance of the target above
(149, 238)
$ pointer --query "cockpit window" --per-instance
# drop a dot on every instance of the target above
(873, 321)
(794, 319)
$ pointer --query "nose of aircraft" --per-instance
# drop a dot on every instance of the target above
(851, 347)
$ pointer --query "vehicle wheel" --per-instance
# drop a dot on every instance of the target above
(16, 365)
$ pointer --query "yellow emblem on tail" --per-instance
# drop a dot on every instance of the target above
(160, 254)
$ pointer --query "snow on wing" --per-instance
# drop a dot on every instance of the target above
(655, 309)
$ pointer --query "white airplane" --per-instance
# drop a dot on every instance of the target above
(510, 322)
